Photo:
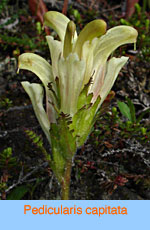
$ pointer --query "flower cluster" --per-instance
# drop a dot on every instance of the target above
(77, 81)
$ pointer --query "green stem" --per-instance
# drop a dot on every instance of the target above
(65, 186)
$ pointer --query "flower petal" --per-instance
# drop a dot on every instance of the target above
(99, 75)
(37, 65)
(36, 93)
(93, 29)
(71, 74)
(87, 56)
(69, 38)
(43, 70)
(55, 52)
(113, 68)
(58, 22)
(114, 38)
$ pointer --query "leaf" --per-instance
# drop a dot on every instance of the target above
(18, 193)
(105, 106)
(8, 152)
(132, 110)
(63, 144)
(125, 110)
(84, 98)
(83, 121)
(37, 140)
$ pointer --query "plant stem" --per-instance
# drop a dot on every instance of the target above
(65, 7)
(65, 186)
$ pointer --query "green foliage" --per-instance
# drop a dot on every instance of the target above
(39, 27)
(9, 21)
(142, 115)
(138, 8)
(18, 193)
(83, 122)
(7, 161)
(76, 14)
(133, 126)
(3, 187)
(124, 109)
(23, 41)
(12, 187)
(128, 110)
(63, 144)
(111, 124)
(146, 5)
(5, 103)
(84, 98)
(37, 141)
(7, 164)
(141, 22)
(132, 110)
(3, 4)
(18, 37)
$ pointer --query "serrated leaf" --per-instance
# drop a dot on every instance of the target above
(84, 98)
(83, 121)
(7, 152)
(38, 142)
(36, 139)
(63, 144)
(125, 110)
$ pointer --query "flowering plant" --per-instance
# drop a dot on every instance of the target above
(76, 83)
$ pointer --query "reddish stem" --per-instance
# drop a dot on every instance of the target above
(65, 7)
